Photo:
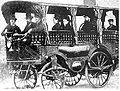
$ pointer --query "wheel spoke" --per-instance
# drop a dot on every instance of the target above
(57, 83)
(94, 63)
(95, 74)
(106, 67)
(98, 61)
(102, 61)
(101, 78)
(48, 83)
(95, 68)
(30, 81)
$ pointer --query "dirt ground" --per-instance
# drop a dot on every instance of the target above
(6, 81)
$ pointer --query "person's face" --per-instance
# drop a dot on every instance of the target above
(111, 22)
(12, 22)
(55, 20)
(87, 18)
(65, 22)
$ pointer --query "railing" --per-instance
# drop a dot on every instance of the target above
(65, 37)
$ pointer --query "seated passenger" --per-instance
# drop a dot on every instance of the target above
(40, 27)
(87, 25)
(30, 24)
(111, 26)
(66, 23)
(12, 28)
(57, 20)
(67, 26)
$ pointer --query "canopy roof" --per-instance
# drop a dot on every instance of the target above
(11, 7)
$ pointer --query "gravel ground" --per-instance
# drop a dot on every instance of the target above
(6, 81)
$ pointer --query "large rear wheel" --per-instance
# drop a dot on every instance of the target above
(99, 69)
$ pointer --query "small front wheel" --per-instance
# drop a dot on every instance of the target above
(52, 78)
(26, 78)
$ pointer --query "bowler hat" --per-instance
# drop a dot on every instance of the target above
(57, 16)
(13, 18)
(67, 18)
(110, 20)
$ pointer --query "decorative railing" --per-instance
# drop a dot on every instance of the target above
(65, 37)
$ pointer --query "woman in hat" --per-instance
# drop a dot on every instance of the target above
(11, 29)
(111, 26)
(30, 24)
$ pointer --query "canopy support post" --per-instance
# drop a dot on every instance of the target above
(99, 25)
(73, 13)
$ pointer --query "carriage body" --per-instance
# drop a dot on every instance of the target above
(62, 59)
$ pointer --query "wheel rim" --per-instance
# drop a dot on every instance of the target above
(29, 82)
(52, 78)
(72, 80)
(98, 70)
(49, 81)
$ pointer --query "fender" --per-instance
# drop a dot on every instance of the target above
(57, 53)
(107, 48)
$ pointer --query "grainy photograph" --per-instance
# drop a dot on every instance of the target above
(59, 44)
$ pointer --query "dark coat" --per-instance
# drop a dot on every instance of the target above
(68, 27)
(57, 26)
(87, 26)
(28, 27)
(12, 29)
(112, 27)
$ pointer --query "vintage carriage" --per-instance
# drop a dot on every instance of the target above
(63, 60)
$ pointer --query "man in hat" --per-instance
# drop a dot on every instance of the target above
(87, 25)
(11, 29)
(111, 26)
(66, 23)
(57, 20)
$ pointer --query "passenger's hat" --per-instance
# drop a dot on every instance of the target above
(67, 18)
(86, 16)
(13, 18)
(110, 20)
(57, 16)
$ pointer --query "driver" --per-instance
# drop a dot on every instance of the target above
(11, 29)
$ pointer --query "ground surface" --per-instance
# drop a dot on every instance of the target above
(6, 80)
